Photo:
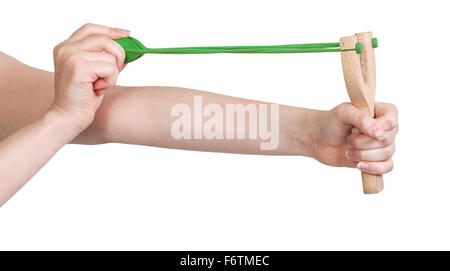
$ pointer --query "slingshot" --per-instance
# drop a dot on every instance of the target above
(358, 65)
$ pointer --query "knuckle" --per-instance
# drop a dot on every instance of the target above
(387, 141)
(59, 50)
(392, 121)
(344, 106)
(56, 50)
(87, 26)
(341, 109)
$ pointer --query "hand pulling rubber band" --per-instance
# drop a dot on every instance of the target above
(358, 65)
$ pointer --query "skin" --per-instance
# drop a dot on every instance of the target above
(81, 104)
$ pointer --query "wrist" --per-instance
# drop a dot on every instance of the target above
(298, 128)
(312, 125)
(62, 122)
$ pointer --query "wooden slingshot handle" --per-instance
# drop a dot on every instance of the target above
(360, 77)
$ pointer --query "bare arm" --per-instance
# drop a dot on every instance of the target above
(26, 151)
(138, 115)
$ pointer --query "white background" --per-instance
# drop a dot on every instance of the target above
(133, 197)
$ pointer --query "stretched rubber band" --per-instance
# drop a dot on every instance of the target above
(134, 49)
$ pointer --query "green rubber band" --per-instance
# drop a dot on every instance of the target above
(358, 47)
(374, 43)
(134, 49)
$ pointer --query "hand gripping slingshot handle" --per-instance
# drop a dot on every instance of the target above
(360, 77)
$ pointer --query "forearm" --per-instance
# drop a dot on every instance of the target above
(27, 150)
(142, 115)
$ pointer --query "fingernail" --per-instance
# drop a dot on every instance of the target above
(362, 166)
(378, 133)
(351, 155)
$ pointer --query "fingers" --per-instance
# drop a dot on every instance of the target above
(106, 75)
(98, 68)
(96, 29)
(387, 116)
(361, 141)
(382, 109)
(101, 68)
(387, 122)
(377, 161)
(364, 122)
(377, 168)
(374, 155)
(372, 140)
(101, 86)
(99, 43)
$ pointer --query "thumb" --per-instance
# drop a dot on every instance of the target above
(348, 113)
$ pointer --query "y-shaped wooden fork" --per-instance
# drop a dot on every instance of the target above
(360, 77)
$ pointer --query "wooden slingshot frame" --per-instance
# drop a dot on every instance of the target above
(360, 80)
(358, 65)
